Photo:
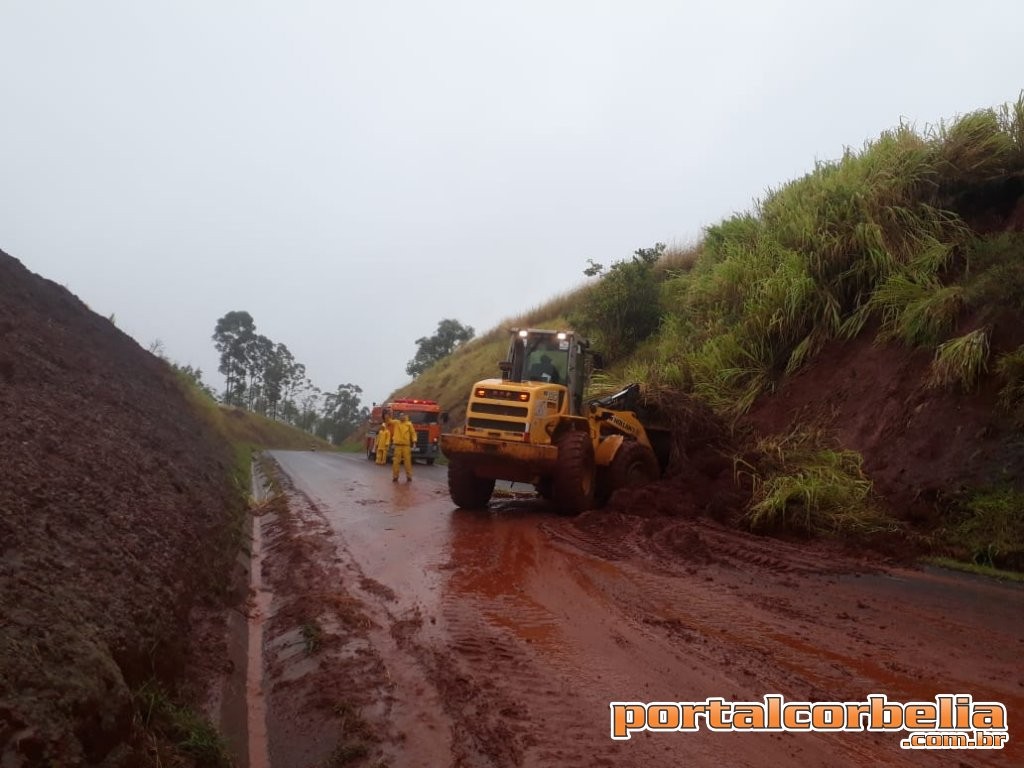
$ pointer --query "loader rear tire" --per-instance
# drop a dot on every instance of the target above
(466, 489)
(634, 464)
(573, 483)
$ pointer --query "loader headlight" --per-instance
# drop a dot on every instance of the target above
(501, 394)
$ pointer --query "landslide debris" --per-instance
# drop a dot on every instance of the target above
(116, 516)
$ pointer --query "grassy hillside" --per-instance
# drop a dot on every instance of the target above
(450, 380)
(246, 431)
(897, 238)
(901, 263)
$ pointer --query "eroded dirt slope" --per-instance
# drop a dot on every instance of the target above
(114, 502)
(922, 446)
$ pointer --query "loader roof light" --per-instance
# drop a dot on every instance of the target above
(561, 335)
(523, 334)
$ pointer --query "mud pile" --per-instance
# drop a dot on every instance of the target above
(115, 512)
(925, 449)
(699, 478)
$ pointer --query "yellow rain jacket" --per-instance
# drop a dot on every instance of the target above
(383, 439)
(403, 438)
(402, 432)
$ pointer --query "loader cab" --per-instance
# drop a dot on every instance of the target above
(551, 357)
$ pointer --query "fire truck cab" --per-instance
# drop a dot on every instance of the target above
(426, 418)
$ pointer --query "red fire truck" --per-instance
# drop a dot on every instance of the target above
(425, 416)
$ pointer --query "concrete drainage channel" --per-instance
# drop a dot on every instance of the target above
(259, 608)
(238, 702)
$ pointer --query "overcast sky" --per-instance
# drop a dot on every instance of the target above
(352, 173)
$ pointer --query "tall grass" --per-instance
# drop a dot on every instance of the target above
(873, 234)
(1011, 368)
(917, 311)
(960, 362)
(872, 239)
(989, 528)
(806, 482)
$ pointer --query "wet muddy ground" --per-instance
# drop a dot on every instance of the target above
(398, 630)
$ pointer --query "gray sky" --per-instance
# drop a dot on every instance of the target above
(352, 173)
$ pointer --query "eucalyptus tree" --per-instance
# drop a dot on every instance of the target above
(233, 334)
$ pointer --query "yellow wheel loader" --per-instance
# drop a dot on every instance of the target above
(532, 426)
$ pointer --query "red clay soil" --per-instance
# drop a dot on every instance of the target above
(922, 446)
(114, 502)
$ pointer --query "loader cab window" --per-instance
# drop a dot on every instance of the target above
(546, 362)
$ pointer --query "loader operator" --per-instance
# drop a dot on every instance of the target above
(544, 370)
(381, 443)
(403, 438)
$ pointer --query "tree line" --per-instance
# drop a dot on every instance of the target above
(264, 377)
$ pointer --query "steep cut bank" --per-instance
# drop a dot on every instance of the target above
(117, 516)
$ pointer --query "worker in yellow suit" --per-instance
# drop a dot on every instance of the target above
(381, 443)
(403, 438)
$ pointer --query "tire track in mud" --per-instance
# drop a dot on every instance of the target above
(540, 689)
(520, 628)
(323, 678)
(507, 705)
(813, 624)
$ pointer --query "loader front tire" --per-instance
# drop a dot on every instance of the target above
(572, 488)
(466, 489)
(634, 464)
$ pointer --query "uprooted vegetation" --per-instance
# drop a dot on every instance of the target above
(876, 303)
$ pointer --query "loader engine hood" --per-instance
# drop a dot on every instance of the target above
(518, 411)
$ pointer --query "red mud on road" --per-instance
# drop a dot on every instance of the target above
(452, 638)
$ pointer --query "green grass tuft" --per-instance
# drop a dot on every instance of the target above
(917, 312)
(1011, 368)
(960, 362)
(988, 530)
(189, 732)
(807, 483)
